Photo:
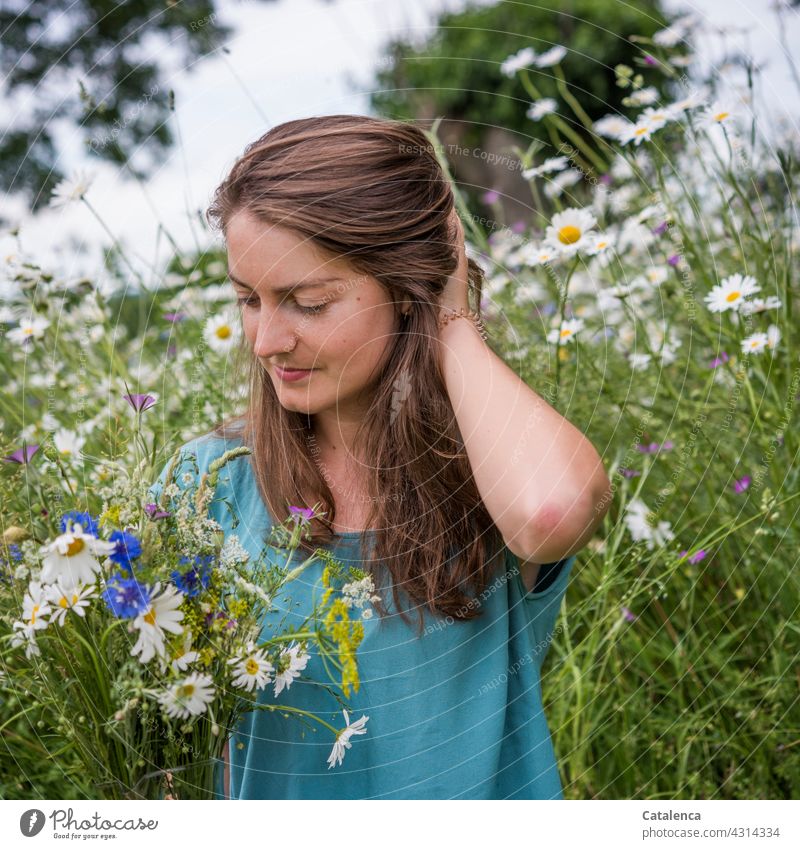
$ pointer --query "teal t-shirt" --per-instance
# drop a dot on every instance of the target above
(453, 714)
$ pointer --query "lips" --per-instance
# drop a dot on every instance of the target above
(292, 374)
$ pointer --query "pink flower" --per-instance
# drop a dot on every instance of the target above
(742, 484)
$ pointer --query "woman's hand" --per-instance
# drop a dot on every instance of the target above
(454, 295)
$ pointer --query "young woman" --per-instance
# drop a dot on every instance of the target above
(374, 392)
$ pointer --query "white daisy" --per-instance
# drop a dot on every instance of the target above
(719, 113)
(66, 599)
(655, 117)
(539, 108)
(642, 526)
(553, 163)
(188, 698)
(731, 292)
(639, 362)
(70, 190)
(67, 442)
(566, 332)
(599, 243)
(569, 231)
(755, 343)
(611, 126)
(28, 330)
(71, 558)
(522, 59)
(656, 275)
(643, 96)
(161, 614)
(343, 739)
(252, 669)
(760, 305)
(35, 606)
(26, 635)
(561, 181)
(181, 663)
(691, 101)
(222, 332)
(773, 336)
(551, 57)
(638, 132)
(291, 662)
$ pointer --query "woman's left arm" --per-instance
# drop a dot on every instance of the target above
(543, 483)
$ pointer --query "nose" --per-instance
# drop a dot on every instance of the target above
(275, 334)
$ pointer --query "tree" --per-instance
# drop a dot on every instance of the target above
(80, 61)
(456, 74)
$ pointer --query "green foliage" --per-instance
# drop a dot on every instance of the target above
(456, 73)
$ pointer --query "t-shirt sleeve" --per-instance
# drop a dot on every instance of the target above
(541, 605)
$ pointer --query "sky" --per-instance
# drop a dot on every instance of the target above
(288, 59)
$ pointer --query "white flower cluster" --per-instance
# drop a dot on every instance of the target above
(358, 594)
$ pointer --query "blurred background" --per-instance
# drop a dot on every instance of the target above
(153, 101)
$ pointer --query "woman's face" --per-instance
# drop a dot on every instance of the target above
(340, 327)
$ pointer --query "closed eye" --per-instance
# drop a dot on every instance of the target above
(252, 302)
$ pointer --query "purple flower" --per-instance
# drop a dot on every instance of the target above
(140, 403)
(606, 179)
(650, 60)
(627, 614)
(22, 455)
(491, 196)
(655, 447)
(518, 227)
(660, 229)
(696, 557)
(302, 512)
(629, 473)
(673, 260)
(153, 512)
(174, 317)
(742, 484)
(718, 361)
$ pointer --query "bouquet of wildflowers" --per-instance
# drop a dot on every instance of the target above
(141, 625)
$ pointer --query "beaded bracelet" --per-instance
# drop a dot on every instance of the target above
(469, 314)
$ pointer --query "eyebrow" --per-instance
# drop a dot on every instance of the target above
(286, 289)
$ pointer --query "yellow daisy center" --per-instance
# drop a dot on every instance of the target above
(62, 602)
(75, 547)
(640, 131)
(150, 617)
(721, 116)
(186, 691)
(733, 296)
(569, 235)
(33, 614)
(566, 333)
(251, 666)
(223, 332)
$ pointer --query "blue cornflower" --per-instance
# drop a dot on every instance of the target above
(125, 597)
(196, 578)
(85, 520)
(128, 548)
(15, 552)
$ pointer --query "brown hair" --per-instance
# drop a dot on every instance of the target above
(372, 192)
